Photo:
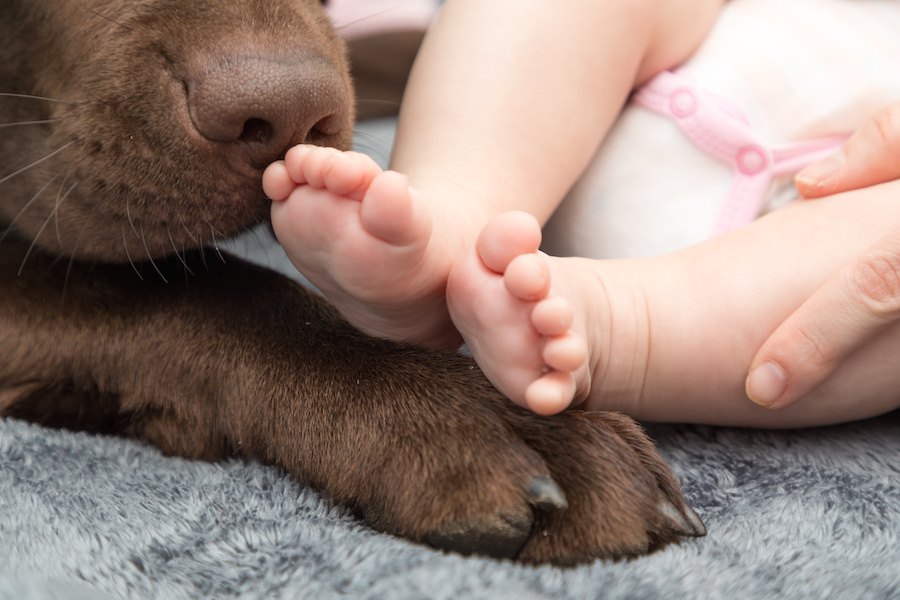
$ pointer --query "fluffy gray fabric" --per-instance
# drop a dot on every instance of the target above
(809, 514)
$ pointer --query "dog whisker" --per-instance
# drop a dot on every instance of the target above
(74, 252)
(23, 123)
(188, 270)
(150, 256)
(59, 200)
(55, 212)
(34, 240)
(215, 242)
(128, 255)
(110, 19)
(258, 239)
(128, 214)
(68, 274)
(188, 231)
(368, 144)
(215, 232)
(177, 253)
(338, 27)
(362, 133)
(33, 97)
(391, 103)
(26, 207)
(35, 163)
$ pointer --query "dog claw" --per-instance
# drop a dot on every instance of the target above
(683, 522)
(544, 494)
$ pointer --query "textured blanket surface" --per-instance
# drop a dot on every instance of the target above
(798, 514)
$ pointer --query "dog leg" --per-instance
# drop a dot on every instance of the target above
(208, 359)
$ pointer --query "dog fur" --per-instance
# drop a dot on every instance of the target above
(135, 133)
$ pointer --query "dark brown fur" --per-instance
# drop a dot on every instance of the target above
(113, 318)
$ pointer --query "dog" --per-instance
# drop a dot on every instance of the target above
(134, 137)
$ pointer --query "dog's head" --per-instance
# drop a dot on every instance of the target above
(149, 122)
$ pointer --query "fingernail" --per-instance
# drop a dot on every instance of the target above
(766, 383)
(817, 173)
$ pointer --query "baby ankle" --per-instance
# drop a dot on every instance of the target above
(620, 344)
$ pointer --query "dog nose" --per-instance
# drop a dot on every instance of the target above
(259, 107)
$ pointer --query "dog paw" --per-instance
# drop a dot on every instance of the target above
(475, 474)
(623, 500)
(456, 478)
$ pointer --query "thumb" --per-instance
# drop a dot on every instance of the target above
(870, 156)
(852, 307)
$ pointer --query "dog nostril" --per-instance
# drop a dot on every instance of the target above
(258, 131)
(315, 136)
(324, 129)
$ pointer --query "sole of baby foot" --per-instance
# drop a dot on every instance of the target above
(365, 240)
(504, 299)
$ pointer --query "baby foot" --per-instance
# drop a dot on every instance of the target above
(523, 316)
(364, 238)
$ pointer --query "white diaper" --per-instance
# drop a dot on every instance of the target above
(796, 69)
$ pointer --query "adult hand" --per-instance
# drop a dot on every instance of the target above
(857, 302)
(870, 156)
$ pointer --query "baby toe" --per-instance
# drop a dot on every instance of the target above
(317, 163)
(527, 277)
(553, 316)
(350, 174)
(551, 394)
(389, 213)
(507, 236)
(277, 183)
(294, 161)
(565, 353)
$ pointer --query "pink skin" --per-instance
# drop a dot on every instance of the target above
(662, 339)
(362, 237)
(670, 338)
(511, 305)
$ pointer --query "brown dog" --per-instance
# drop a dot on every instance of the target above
(134, 135)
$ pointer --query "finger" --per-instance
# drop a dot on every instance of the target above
(851, 308)
(870, 156)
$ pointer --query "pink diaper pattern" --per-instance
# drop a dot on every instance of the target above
(721, 129)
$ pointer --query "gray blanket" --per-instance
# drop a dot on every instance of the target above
(806, 514)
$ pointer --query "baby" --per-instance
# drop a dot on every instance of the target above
(660, 338)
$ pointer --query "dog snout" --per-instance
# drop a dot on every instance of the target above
(256, 108)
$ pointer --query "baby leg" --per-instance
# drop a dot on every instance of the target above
(671, 338)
